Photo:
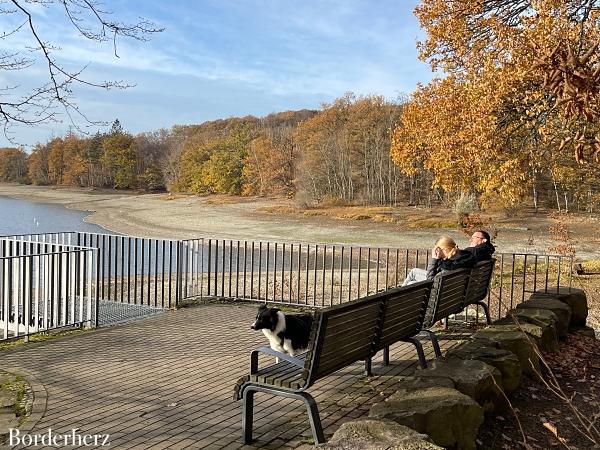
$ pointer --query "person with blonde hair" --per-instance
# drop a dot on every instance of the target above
(445, 256)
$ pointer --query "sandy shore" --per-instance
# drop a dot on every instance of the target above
(177, 216)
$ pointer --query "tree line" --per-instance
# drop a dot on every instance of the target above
(340, 154)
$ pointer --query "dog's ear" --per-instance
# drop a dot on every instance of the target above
(262, 307)
(274, 311)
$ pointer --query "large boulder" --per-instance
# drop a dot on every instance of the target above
(513, 341)
(478, 380)
(561, 309)
(541, 317)
(544, 337)
(449, 417)
(375, 434)
(573, 297)
(505, 361)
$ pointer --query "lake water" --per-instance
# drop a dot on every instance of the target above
(23, 217)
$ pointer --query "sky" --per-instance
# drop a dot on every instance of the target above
(222, 58)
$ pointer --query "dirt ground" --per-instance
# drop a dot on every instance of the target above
(187, 216)
(547, 417)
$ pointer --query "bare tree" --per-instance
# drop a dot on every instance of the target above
(45, 102)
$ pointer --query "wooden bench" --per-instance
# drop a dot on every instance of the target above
(403, 317)
(341, 335)
(479, 285)
(453, 291)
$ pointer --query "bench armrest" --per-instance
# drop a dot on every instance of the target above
(268, 350)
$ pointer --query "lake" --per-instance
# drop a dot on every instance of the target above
(23, 217)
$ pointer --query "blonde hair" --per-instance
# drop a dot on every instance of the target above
(448, 245)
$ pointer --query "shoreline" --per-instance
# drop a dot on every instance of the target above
(175, 216)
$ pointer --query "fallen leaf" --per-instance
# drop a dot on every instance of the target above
(553, 430)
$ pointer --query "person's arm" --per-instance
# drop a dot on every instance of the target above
(433, 265)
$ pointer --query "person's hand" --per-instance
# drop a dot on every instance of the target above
(436, 253)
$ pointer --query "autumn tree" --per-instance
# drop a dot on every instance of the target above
(521, 87)
(37, 165)
(120, 159)
(13, 165)
(344, 151)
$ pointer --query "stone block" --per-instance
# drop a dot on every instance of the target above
(561, 309)
(449, 417)
(505, 361)
(480, 381)
(575, 298)
(544, 337)
(513, 341)
(376, 434)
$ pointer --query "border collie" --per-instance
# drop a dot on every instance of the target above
(286, 333)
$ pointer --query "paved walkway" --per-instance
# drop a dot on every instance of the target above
(167, 382)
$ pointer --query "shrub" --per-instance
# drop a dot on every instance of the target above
(465, 204)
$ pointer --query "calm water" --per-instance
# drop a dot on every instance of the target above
(22, 217)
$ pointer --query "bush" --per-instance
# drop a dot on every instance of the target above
(465, 205)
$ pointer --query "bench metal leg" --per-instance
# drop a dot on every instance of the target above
(434, 341)
(368, 366)
(313, 416)
(386, 356)
(247, 416)
(420, 352)
(309, 401)
(486, 310)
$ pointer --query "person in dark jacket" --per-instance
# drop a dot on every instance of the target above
(481, 247)
(445, 256)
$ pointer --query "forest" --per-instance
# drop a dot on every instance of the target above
(339, 154)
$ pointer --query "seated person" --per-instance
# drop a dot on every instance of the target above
(481, 247)
(445, 256)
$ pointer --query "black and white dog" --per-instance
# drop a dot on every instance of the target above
(286, 333)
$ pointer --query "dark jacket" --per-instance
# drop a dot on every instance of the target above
(462, 260)
(482, 252)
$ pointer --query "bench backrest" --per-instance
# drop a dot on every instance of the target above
(345, 334)
(403, 312)
(479, 281)
(447, 295)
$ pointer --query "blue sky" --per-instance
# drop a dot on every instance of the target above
(224, 58)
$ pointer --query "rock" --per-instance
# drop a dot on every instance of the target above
(541, 317)
(585, 331)
(375, 434)
(449, 417)
(417, 382)
(505, 361)
(513, 341)
(544, 337)
(561, 309)
(474, 378)
(573, 297)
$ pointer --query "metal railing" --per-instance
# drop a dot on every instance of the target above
(317, 275)
(159, 273)
(132, 270)
(44, 286)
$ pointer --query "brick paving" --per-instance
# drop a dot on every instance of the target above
(167, 382)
